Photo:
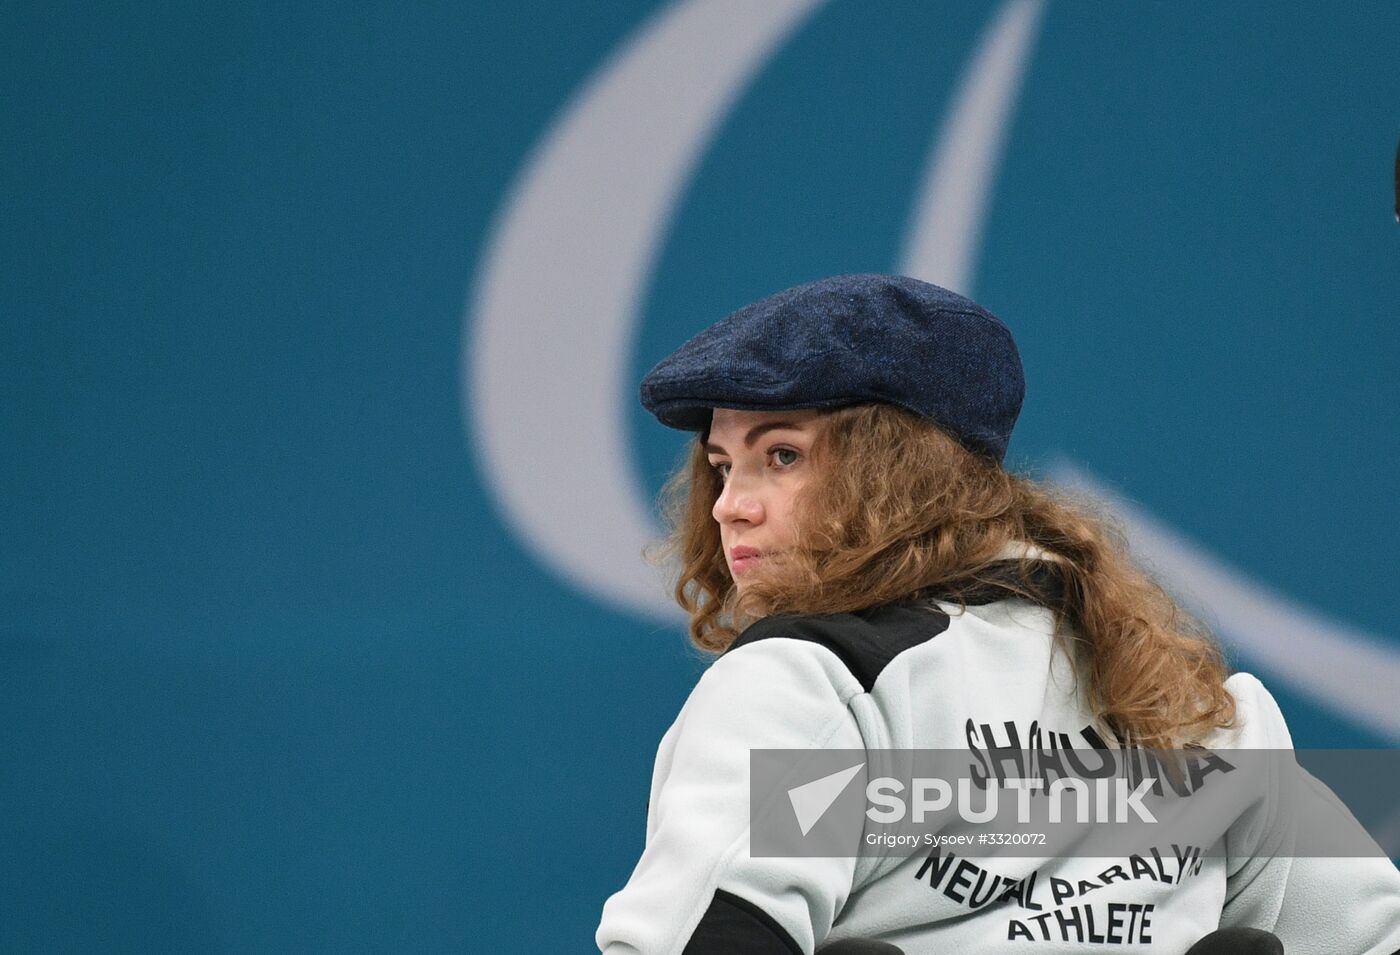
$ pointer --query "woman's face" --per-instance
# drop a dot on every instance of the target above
(763, 458)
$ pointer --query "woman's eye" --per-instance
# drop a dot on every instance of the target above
(779, 452)
(721, 469)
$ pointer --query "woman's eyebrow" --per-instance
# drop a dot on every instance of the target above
(754, 433)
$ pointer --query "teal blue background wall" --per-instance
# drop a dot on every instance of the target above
(275, 671)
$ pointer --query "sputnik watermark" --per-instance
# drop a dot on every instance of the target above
(888, 806)
(1113, 800)
(1054, 801)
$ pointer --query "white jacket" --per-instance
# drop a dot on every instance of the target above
(911, 678)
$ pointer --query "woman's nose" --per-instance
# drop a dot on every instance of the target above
(738, 501)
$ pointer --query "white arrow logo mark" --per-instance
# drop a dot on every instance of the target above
(810, 801)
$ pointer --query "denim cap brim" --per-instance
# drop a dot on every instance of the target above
(845, 340)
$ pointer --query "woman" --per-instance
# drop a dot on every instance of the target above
(873, 579)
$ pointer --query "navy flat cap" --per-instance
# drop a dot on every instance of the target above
(851, 339)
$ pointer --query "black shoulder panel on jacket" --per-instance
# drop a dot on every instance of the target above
(866, 641)
(735, 926)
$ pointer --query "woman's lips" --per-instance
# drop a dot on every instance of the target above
(742, 559)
